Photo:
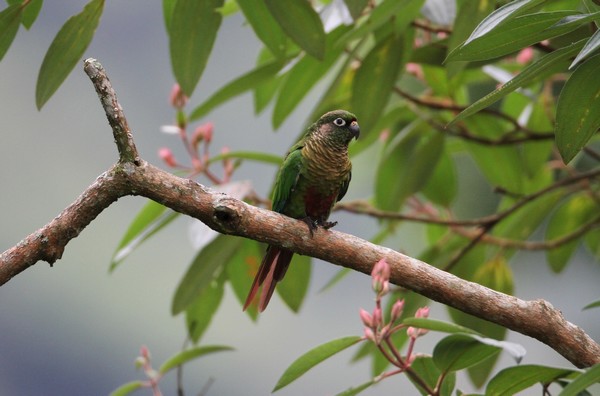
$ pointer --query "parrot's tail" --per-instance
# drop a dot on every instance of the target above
(272, 269)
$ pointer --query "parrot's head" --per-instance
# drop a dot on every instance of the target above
(339, 126)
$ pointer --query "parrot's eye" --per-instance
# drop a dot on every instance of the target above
(339, 122)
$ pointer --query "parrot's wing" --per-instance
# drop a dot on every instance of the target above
(344, 187)
(287, 178)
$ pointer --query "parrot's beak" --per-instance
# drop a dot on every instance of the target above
(355, 129)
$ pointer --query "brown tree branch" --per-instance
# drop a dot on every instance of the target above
(134, 176)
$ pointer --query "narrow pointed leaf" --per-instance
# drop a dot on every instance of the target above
(127, 388)
(437, 325)
(200, 313)
(302, 77)
(569, 217)
(314, 357)
(32, 10)
(357, 389)
(426, 369)
(356, 7)
(301, 23)
(375, 79)
(248, 155)
(193, 30)
(242, 84)
(66, 50)
(10, 18)
(546, 65)
(514, 35)
(590, 47)
(407, 166)
(151, 219)
(578, 109)
(515, 379)
(207, 265)
(459, 351)
(590, 377)
(168, 7)
(267, 29)
(293, 288)
(594, 304)
(503, 14)
(190, 354)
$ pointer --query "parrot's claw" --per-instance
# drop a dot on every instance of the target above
(314, 224)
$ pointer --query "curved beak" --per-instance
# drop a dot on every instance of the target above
(355, 129)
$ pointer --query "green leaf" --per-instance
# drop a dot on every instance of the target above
(517, 34)
(10, 18)
(303, 76)
(264, 25)
(241, 270)
(355, 390)
(168, 7)
(375, 79)
(384, 13)
(426, 369)
(292, 289)
(32, 10)
(569, 217)
(341, 274)
(502, 15)
(442, 186)
(515, 379)
(459, 351)
(314, 357)
(437, 325)
(578, 109)
(509, 176)
(192, 33)
(356, 7)
(199, 313)
(191, 354)
(407, 166)
(206, 266)
(594, 304)
(248, 155)
(546, 65)
(264, 93)
(127, 388)
(246, 82)
(592, 44)
(66, 50)
(151, 219)
(590, 377)
(301, 23)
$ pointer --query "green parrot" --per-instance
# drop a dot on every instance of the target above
(315, 174)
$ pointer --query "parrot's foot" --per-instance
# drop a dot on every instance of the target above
(328, 224)
(314, 224)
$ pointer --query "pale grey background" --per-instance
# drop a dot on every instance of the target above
(75, 329)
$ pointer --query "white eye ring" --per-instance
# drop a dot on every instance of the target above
(339, 122)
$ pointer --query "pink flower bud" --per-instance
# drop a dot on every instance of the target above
(366, 318)
(369, 335)
(412, 332)
(167, 156)
(397, 309)
(381, 276)
(377, 317)
(145, 352)
(422, 312)
(178, 98)
(525, 55)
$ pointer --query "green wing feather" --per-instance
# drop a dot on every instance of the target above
(287, 178)
(344, 187)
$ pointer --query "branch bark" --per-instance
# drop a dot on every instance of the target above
(134, 176)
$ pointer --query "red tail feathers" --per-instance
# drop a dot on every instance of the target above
(272, 270)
